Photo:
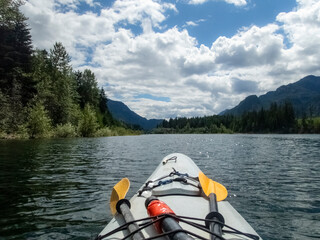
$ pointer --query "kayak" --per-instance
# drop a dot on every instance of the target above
(177, 201)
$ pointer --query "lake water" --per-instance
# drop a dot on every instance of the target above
(59, 189)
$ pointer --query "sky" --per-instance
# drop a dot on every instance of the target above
(183, 58)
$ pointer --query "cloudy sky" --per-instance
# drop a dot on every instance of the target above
(168, 58)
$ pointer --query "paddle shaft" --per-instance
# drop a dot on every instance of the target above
(170, 224)
(214, 227)
(127, 215)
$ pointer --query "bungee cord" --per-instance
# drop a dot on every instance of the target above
(182, 177)
(179, 218)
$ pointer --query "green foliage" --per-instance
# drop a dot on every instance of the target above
(9, 13)
(60, 59)
(104, 132)
(103, 101)
(63, 85)
(75, 114)
(16, 85)
(42, 77)
(87, 88)
(278, 119)
(122, 131)
(88, 122)
(15, 50)
(4, 110)
(208, 124)
(39, 90)
(115, 131)
(308, 125)
(39, 123)
(65, 131)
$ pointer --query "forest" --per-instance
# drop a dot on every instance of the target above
(40, 93)
(277, 119)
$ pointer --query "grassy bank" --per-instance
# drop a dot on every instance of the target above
(69, 131)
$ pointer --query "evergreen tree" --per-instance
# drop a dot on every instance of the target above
(41, 76)
(289, 116)
(103, 101)
(63, 85)
(60, 59)
(15, 62)
(15, 47)
(87, 88)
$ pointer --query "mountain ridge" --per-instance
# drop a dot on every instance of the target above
(304, 95)
(122, 112)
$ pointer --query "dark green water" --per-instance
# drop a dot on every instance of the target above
(59, 189)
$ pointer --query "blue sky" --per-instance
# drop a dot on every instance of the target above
(223, 19)
(168, 58)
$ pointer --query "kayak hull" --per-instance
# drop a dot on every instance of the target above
(185, 199)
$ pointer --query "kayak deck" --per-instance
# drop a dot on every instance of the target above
(184, 197)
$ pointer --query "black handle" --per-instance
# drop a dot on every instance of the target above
(169, 224)
(123, 207)
(214, 227)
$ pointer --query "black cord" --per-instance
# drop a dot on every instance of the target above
(174, 173)
(179, 218)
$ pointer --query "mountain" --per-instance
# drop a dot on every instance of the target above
(121, 112)
(303, 94)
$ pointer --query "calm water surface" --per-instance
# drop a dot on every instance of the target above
(59, 189)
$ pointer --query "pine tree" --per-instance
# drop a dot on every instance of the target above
(103, 101)
(87, 88)
(15, 62)
(63, 85)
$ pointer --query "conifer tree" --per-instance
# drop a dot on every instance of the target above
(15, 62)
(87, 88)
(63, 85)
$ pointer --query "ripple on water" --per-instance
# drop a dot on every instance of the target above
(59, 189)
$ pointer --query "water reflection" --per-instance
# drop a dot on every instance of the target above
(59, 189)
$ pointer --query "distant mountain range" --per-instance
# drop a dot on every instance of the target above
(304, 95)
(122, 112)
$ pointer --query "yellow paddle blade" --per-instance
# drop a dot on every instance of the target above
(119, 191)
(210, 186)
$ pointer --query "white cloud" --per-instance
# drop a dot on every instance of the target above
(234, 2)
(193, 23)
(199, 80)
(74, 30)
(302, 28)
(135, 11)
(250, 47)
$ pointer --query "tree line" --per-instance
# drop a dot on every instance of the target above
(279, 118)
(40, 93)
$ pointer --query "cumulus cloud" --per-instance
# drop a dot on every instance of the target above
(168, 62)
(250, 47)
(49, 25)
(302, 28)
(235, 2)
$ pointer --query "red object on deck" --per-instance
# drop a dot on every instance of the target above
(156, 208)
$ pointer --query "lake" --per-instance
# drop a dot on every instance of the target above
(60, 188)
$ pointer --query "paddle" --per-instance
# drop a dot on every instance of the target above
(119, 204)
(216, 192)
